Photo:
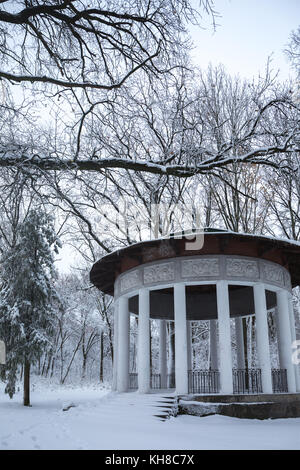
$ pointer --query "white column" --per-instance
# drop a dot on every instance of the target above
(123, 346)
(280, 358)
(171, 343)
(181, 362)
(163, 353)
(285, 338)
(262, 337)
(189, 344)
(144, 341)
(239, 336)
(224, 338)
(115, 361)
(213, 344)
(293, 336)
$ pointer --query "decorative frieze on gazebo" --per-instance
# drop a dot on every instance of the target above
(203, 268)
(232, 276)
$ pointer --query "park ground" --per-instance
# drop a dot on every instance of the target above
(100, 419)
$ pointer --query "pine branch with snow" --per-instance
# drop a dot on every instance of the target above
(27, 296)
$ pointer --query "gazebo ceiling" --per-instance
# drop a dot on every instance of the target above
(201, 302)
(284, 252)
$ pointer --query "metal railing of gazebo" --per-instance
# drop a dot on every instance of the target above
(245, 381)
(133, 381)
(171, 380)
(203, 381)
(155, 381)
(279, 380)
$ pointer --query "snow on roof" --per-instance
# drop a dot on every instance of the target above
(205, 231)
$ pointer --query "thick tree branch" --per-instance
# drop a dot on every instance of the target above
(67, 36)
(70, 84)
(260, 156)
(24, 15)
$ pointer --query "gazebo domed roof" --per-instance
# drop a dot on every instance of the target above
(216, 241)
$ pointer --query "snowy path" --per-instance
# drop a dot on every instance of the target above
(104, 420)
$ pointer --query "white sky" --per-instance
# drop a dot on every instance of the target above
(249, 31)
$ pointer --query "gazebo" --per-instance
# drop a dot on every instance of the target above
(231, 276)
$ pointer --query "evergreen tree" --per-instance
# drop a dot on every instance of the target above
(27, 297)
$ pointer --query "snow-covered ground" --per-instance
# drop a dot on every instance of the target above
(104, 420)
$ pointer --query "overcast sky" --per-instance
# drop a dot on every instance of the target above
(249, 31)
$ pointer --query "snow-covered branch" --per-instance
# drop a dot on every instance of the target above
(257, 156)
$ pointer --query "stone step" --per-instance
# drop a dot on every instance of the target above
(167, 402)
(243, 398)
(163, 417)
(168, 405)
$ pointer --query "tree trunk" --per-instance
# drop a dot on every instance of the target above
(52, 366)
(26, 401)
(253, 340)
(150, 346)
(44, 365)
(193, 348)
(111, 343)
(101, 356)
(71, 361)
(171, 348)
(83, 374)
(245, 337)
(244, 320)
(49, 364)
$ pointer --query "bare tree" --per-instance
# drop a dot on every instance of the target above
(72, 45)
(282, 194)
(158, 127)
(293, 50)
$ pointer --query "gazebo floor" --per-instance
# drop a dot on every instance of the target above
(260, 406)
